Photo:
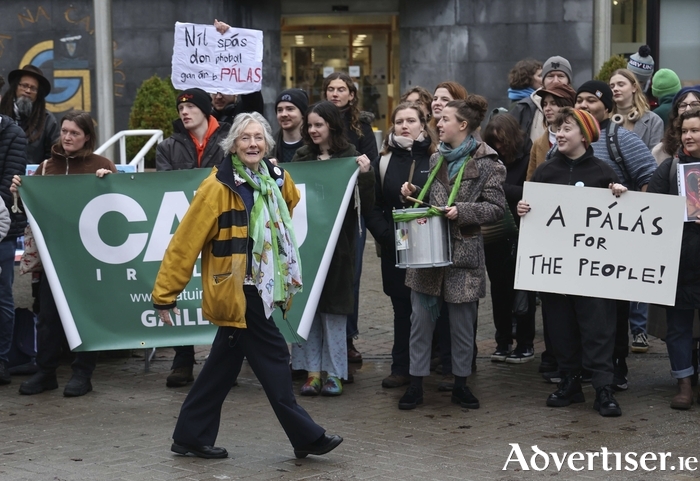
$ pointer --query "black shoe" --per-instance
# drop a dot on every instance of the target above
(568, 391)
(5, 377)
(207, 452)
(38, 383)
(324, 444)
(586, 375)
(548, 365)
(77, 386)
(620, 375)
(553, 377)
(180, 376)
(411, 398)
(500, 354)
(464, 397)
(605, 402)
(521, 355)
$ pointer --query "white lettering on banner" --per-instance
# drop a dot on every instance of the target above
(230, 63)
(173, 206)
(149, 318)
(583, 241)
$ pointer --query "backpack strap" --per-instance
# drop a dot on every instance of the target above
(613, 144)
(383, 165)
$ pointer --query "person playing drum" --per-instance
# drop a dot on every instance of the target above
(466, 180)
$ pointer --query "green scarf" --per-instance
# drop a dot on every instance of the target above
(276, 267)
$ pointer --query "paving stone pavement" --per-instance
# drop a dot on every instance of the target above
(121, 431)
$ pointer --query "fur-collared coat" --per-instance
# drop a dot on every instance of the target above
(480, 200)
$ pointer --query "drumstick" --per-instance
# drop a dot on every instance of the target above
(441, 209)
(410, 172)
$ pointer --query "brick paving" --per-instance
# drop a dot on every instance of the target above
(121, 431)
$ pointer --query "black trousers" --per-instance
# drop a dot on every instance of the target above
(184, 357)
(582, 332)
(500, 265)
(267, 353)
(50, 337)
(622, 339)
(400, 358)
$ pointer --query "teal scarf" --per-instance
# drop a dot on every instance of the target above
(276, 267)
(455, 157)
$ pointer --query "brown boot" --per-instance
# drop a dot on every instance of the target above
(684, 398)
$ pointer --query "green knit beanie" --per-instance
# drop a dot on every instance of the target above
(665, 82)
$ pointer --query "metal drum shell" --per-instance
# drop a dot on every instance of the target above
(422, 242)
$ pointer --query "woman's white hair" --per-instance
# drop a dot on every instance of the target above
(240, 123)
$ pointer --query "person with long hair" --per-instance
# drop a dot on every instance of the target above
(631, 109)
(679, 317)
(340, 89)
(25, 101)
(687, 98)
(74, 153)
(467, 179)
(407, 149)
(326, 347)
(504, 135)
(444, 92)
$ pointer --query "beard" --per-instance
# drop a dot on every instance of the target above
(24, 106)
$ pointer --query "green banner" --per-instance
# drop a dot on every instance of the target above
(102, 241)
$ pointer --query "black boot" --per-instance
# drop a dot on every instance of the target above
(568, 391)
(38, 383)
(605, 402)
(79, 385)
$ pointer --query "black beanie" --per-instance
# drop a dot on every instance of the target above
(197, 97)
(297, 97)
(601, 90)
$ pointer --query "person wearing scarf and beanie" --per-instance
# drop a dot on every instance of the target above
(240, 222)
(583, 331)
(466, 181)
(406, 156)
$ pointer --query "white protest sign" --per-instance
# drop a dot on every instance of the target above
(585, 241)
(230, 63)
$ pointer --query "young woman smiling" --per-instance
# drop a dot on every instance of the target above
(631, 109)
(326, 346)
(407, 148)
(467, 179)
(445, 92)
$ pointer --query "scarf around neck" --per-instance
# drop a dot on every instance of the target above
(519, 94)
(456, 157)
(275, 266)
(405, 143)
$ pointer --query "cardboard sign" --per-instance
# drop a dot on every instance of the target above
(230, 63)
(584, 241)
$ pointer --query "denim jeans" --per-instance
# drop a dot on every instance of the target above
(7, 303)
(639, 312)
(352, 329)
(679, 341)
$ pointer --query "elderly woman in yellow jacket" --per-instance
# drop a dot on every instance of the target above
(240, 221)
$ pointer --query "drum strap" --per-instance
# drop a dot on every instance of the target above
(455, 188)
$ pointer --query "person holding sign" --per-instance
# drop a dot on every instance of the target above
(326, 347)
(240, 222)
(679, 317)
(583, 335)
(467, 179)
(72, 154)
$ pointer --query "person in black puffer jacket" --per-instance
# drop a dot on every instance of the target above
(13, 158)
(408, 145)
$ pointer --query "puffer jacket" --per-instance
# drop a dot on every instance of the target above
(480, 200)
(688, 290)
(216, 224)
(40, 149)
(338, 295)
(178, 151)
(13, 159)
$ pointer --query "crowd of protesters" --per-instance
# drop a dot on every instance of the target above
(446, 147)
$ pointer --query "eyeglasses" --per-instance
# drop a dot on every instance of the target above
(29, 87)
(685, 106)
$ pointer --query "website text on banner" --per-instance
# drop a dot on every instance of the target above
(101, 242)
(585, 241)
(229, 63)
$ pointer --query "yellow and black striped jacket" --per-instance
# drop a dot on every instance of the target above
(216, 224)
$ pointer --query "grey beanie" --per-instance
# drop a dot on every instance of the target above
(557, 63)
(642, 65)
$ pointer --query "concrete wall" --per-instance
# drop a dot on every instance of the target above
(476, 42)
(143, 40)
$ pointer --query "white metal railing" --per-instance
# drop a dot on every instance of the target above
(156, 137)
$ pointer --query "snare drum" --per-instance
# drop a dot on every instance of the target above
(422, 242)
